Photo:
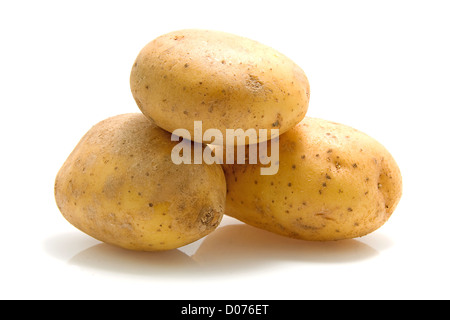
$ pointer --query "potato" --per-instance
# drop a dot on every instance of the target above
(334, 182)
(120, 186)
(224, 80)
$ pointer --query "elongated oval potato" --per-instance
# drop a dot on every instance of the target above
(120, 186)
(224, 80)
(334, 182)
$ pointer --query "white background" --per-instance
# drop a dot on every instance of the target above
(382, 67)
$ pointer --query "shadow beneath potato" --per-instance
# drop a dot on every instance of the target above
(85, 252)
(113, 259)
(231, 248)
(240, 246)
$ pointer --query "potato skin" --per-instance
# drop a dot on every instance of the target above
(334, 182)
(224, 80)
(120, 186)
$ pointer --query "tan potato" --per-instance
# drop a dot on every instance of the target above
(120, 186)
(224, 80)
(334, 182)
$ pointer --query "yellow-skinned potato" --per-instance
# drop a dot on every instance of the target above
(224, 80)
(120, 186)
(333, 182)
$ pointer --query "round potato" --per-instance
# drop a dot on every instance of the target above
(120, 186)
(224, 80)
(333, 182)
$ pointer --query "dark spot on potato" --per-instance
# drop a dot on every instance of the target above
(150, 204)
(355, 165)
(327, 176)
(324, 184)
(349, 209)
(293, 166)
(329, 150)
(253, 83)
(186, 65)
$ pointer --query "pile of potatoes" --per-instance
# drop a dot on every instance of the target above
(120, 185)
